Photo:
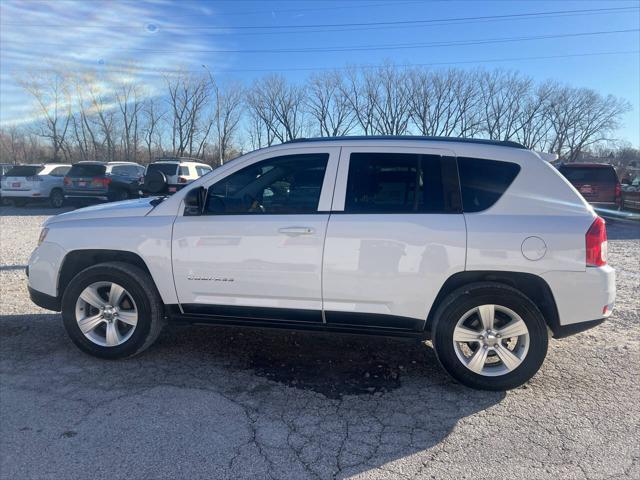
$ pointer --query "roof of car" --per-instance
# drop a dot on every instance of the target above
(586, 165)
(97, 162)
(481, 141)
(196, 162)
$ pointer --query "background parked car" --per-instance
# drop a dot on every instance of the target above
(631, 194)
(112, 181)
(597, 182)
(23, 183)
(4, 168)
(168, 175)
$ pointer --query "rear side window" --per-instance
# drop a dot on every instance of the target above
(483, 182)
(589, 174)
(401, 183)
(24, 170)
(59, 171)
(86, 170)
(202, 170)
(183, 171)
(166, 168)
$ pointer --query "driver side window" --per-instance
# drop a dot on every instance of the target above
(289, 184)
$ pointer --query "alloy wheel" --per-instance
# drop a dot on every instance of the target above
(106, 314)
(491, 340)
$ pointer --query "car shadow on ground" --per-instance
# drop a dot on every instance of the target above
(371, 399)
(39, 209)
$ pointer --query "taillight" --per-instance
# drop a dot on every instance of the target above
(618, 194)
(182, 180)
(67, 181)
(104, 181)
(596, 243)
(34, 178)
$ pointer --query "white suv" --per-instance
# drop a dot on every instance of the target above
(168, 175)
(23, 183)
(481, 246)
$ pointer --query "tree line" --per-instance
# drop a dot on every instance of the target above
(116, 117)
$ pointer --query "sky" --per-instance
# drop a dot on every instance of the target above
(594, 44)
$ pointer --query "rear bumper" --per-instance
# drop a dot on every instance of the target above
(22, 193)
(45, 301)
(581, 297)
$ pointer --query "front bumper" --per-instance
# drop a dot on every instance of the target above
(45, 301)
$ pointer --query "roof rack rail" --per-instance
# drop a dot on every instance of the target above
(480, 141)
(176, 158)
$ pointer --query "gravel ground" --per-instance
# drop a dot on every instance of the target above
(227, 403)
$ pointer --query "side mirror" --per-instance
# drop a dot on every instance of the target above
(194, 202)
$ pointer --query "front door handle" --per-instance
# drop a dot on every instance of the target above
(297, 230)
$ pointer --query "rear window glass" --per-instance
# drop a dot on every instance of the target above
(86, 170)
(166, 168)
(398, 183)
(589, 174)
(24, 170)
(482, 182)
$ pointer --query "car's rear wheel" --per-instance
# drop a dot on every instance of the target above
(56, 198)
(112, 310)
(490, 336)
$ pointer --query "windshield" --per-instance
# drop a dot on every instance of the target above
(24, 171)
(166, 168)
(87, 170)
(589, 174)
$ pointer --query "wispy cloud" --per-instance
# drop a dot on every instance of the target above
(99, 38)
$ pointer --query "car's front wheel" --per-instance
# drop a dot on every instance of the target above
(112, 310)
(490, 336)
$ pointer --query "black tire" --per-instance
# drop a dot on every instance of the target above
(56, 198)
(19, 202)
(452, 309)
(118, 195)
(145, 295)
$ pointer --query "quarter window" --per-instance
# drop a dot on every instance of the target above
(483, 182)
(282, 185)
(401, 183)
(59, 171)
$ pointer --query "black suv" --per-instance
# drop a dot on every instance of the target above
(112, 181)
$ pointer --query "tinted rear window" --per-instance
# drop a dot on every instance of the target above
(484, 181)
(166, 168)
(86, 170)
(400, 183)
(589, 174)
(24, 170)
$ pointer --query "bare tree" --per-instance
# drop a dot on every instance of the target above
(280, 106)
(229, 111)
(51, 95)
(152, 117)
(581, 118)
(391, 101)
(328, 104)
(501, 93)
(188, 97)
(129, 100)
(361, 92)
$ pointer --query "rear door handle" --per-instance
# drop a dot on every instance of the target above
(297, 230)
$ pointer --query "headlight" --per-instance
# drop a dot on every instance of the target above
(43, 235)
